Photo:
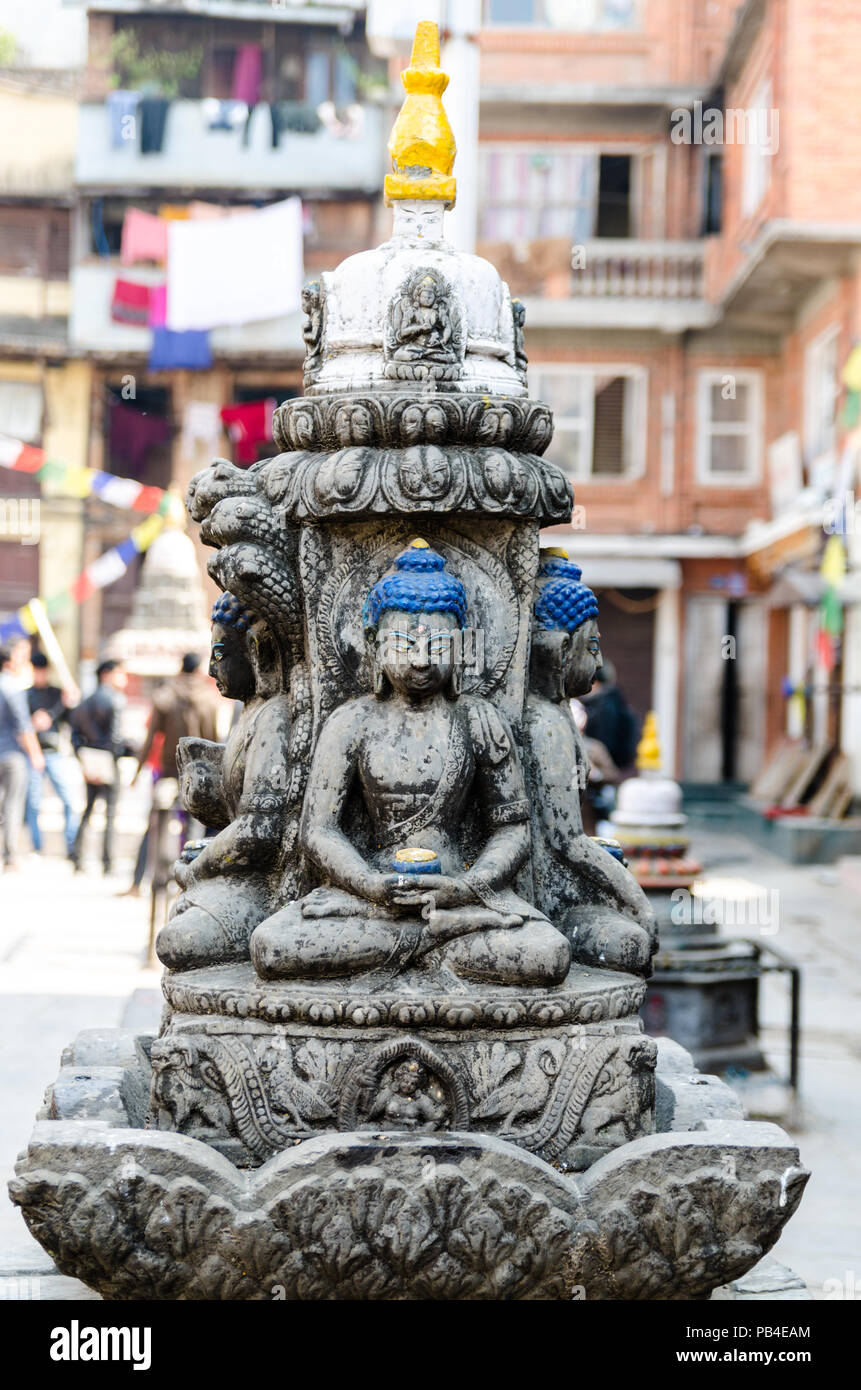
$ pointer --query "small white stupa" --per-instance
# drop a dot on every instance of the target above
(648, 821)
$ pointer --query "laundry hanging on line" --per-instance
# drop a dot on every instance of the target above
(158, 307)
(189, 350)
(201, 424)
(131, 303)
(122, 108)
(234, 270)
(247, 74)
(144, 238)
(249, 425)
(21, 408)
(152, 113)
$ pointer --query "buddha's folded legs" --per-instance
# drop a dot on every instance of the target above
(330, 934)
(212, 923)
(289, 945)
(604, 938)
(534, 953)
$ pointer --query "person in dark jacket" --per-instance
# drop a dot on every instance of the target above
(610, 719)
(49, 708)
(97, 740)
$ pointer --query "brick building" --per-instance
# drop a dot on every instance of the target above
(666, 183)
(695, 159)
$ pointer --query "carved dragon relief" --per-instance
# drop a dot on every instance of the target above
(546, 1096)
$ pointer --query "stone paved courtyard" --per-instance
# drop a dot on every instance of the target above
(72, 955)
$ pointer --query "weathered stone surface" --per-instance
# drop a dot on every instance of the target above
(413, 999)
(569, 1093)
(105, 1075)
(686, 1099)
(401, 420)
(141, 1214)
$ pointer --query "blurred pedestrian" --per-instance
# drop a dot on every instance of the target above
(18, 743)
(186, 706)
(610, 719)
(49, 707)
(98, 743)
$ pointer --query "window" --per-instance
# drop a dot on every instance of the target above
(614, 196)
(712, 194)
(729, 427)
(820, 394)
(758, 134)
(573, 15)
(532, 192)
(599, 416)
(34, 241)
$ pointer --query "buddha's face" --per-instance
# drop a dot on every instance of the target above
(582, 659)
(427, 296)
(408, 1079)
(417, 651)
(229, 664)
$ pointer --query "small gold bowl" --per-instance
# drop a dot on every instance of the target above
(416, 861)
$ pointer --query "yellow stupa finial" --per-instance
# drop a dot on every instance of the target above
(557, 550)
(649, 748)
(419, 544)
(421, 143)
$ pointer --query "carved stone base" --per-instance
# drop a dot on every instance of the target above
(252, 1069)
(143, 1215)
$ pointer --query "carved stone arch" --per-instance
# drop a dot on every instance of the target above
(365, 1076)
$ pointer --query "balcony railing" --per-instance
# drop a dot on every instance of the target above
(196, 156)
(607, 282)
(629, 269)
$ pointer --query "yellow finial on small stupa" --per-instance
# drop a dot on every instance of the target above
(421, 143)
(556, 550)
(419, 544)
(649, 748)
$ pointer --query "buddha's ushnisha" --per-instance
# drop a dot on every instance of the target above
(415, 755)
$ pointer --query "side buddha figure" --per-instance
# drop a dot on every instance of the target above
(238, 788)
(406, 762)
(587, 892)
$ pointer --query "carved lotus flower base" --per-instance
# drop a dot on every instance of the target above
(139, 1214)
(252, 1068)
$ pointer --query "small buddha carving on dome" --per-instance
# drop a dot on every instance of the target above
(424, 330)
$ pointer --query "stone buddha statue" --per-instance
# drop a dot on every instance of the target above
(411, 758)
(238, 787)
(589, 894)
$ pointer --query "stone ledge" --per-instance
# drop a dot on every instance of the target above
(587, 996)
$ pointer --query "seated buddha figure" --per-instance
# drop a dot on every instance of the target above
(238, 788)
(421, 328)
(587, 892)
(406, 762)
